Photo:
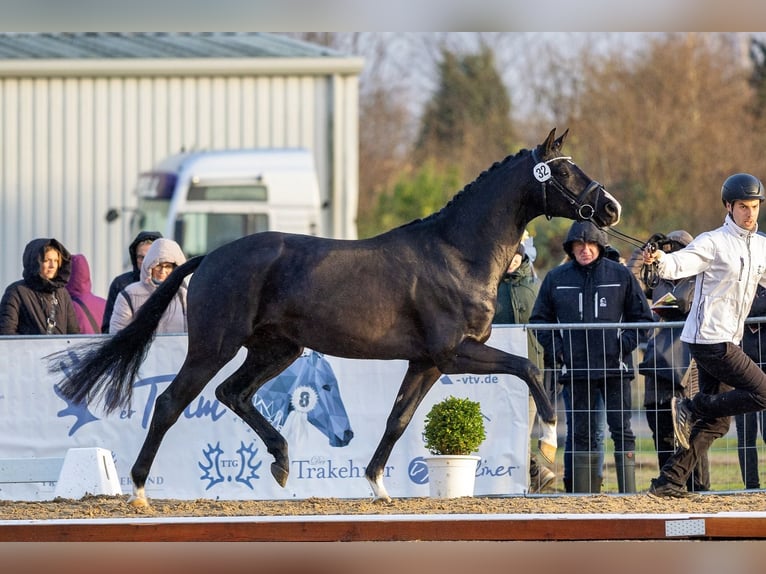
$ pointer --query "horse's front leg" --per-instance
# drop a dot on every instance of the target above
(416, 384)
(480, 359)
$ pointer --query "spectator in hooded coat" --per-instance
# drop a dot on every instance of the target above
(39, 303)
(163, 257)
(594, 365)
(137, 251)
(88, 307)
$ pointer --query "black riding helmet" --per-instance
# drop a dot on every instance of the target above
(585, 231)
(741, 186)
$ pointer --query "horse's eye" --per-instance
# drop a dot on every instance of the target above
(325, 387)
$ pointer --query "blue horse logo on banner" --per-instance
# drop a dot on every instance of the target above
(308, 388)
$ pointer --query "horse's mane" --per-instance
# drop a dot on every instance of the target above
(468, 188)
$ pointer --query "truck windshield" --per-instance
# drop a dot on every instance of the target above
(151, 215)
(198, 233)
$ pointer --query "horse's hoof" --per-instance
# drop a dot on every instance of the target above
(379, 492)
(279, 474)
(138, 502)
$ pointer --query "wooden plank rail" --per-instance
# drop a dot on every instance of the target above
(737, 526)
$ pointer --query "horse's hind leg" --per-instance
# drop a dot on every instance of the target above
(262, 363)
(187, 384)
(416, 384)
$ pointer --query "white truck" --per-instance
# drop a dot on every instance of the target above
(205, 199)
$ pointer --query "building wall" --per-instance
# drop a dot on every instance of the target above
(72, 143)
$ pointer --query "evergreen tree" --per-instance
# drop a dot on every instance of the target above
(467, 123)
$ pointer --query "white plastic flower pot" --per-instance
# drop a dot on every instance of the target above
(451, 476)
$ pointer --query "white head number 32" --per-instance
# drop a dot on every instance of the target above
(542, 172)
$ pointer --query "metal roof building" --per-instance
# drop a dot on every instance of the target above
(81, 114)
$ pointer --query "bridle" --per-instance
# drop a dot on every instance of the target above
(542, 173)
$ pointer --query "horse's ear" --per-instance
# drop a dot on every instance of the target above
(558, 144)
(549, 142)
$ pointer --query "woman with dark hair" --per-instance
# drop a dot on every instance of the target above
(39, 304)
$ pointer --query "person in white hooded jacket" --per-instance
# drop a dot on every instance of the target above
(163, 257)
(729, 263)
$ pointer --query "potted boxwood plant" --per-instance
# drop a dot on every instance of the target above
(454, 429)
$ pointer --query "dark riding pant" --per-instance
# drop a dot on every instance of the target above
(660, 420)
(727, 363)
(730, 383)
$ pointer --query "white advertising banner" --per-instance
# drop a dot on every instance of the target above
(332, 412)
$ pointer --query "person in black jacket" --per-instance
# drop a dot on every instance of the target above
(137, 250)
(39, 304)
(595, 365)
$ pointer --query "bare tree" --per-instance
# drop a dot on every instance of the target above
(665, 129)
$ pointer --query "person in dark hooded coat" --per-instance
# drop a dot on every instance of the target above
(39, 304)
(595, 366)
(137, 249)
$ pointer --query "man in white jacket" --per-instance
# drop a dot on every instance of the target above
(729, 263)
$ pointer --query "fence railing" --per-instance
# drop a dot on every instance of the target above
(584, 370)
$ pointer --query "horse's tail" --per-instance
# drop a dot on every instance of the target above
(106, 370)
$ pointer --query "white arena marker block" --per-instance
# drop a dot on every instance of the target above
(87, 471)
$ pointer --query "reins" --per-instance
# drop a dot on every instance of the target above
(649, 273)
(543, 174)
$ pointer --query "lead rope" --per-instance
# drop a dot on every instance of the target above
(649, 273)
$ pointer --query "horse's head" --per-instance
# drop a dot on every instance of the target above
(567, 191)
(329, 413)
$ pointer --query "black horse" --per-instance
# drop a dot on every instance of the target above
(423, 292)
